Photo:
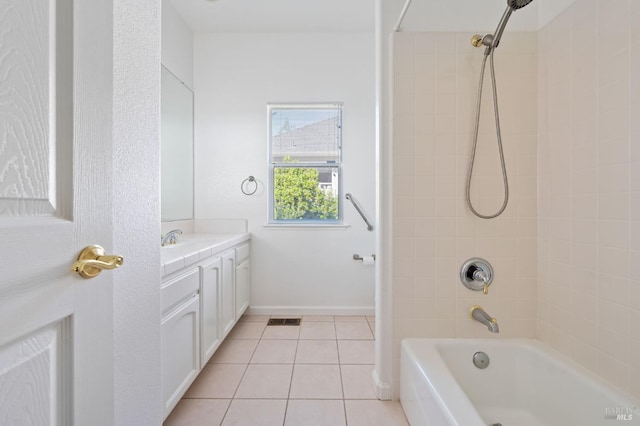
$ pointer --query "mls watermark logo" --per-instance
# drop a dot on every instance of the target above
(618, 413)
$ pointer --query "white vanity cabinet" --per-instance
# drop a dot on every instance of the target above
(180, 336)
(243, 279)
(205, 290)
(210, 291)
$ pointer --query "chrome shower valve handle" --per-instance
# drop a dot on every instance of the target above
(476, 274)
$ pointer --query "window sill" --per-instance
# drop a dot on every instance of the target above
(310, 226)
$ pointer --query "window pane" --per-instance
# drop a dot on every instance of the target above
(302, 135)
(305, 193)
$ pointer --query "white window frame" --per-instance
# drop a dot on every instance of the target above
(339, 222)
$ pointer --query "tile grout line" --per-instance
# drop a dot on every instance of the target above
(233, 397)
(293, 369)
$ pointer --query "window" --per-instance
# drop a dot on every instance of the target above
(305, 164)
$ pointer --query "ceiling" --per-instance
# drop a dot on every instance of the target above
(269, 16)
(299, 16)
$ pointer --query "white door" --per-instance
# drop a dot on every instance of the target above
(56, 344)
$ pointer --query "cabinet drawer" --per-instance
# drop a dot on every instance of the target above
(180, 288)
(242, 253)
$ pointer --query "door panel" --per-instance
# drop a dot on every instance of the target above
(36, 109)
(211, 277)
(31, 380)
(243, 289)
(228, 299)
(56, 106)
(180, 352)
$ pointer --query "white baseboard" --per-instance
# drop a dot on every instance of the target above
(383, 389)
(310, 310)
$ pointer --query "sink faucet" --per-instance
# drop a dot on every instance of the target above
(170, 237)
(477, 313)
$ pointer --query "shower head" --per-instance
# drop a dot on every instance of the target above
(518, 4)
(511, 6)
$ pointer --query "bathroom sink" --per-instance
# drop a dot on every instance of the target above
(170, 246)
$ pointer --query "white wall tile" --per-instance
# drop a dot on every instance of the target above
(577, 218)
(446, 232)
(602, 121)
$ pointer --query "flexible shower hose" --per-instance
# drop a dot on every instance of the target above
(475, 141)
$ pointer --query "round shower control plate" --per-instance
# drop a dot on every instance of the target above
(470, 267)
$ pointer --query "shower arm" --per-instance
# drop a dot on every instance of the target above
(401, 18)
(491, 41)
(501, 26)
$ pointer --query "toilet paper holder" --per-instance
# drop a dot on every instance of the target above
(360, 258)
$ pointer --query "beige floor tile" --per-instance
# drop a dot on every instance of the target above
(275, 352)
(371, 318)
(375, 413)
(234, 352)
(217, 381)
(357, 382)
(281, 332)
(319, 412)
(356, 351)
(317, 352)
(247, 330)
(353, 330)
(318, 330)
(255, 318)
(265, 381)
(198, 412)
(317, 318)
(316, 382)
(350, 318)
(255, 412)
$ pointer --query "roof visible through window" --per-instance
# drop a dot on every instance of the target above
(306, 135)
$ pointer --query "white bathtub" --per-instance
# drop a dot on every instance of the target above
(526, 384)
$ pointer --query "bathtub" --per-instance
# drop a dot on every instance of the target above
(525, 384)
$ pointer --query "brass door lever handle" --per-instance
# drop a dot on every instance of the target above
(93, 260)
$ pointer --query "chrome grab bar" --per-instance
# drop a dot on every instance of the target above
(349, 197)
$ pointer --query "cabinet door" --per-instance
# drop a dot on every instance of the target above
(243, 287)
(228, 299)
(210, 281)
(180, 351)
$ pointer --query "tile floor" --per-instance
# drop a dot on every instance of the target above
(318, 373)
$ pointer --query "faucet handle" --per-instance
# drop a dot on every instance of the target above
(170, 237)
(476, 274)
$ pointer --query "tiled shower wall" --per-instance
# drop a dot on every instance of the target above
(435, 86)
(589, 186)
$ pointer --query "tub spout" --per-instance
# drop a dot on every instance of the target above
(477, 313)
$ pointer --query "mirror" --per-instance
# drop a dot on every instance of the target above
(176, 149)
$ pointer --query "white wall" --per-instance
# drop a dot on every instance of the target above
(136, 211)
(236, 76)
(177, 44)
(468, 15)
(479, 16)
(549, 9)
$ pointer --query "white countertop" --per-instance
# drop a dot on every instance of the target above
(192, 248)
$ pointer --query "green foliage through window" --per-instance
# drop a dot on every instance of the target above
(298, 195)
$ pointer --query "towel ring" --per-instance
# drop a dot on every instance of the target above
(247, 183)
